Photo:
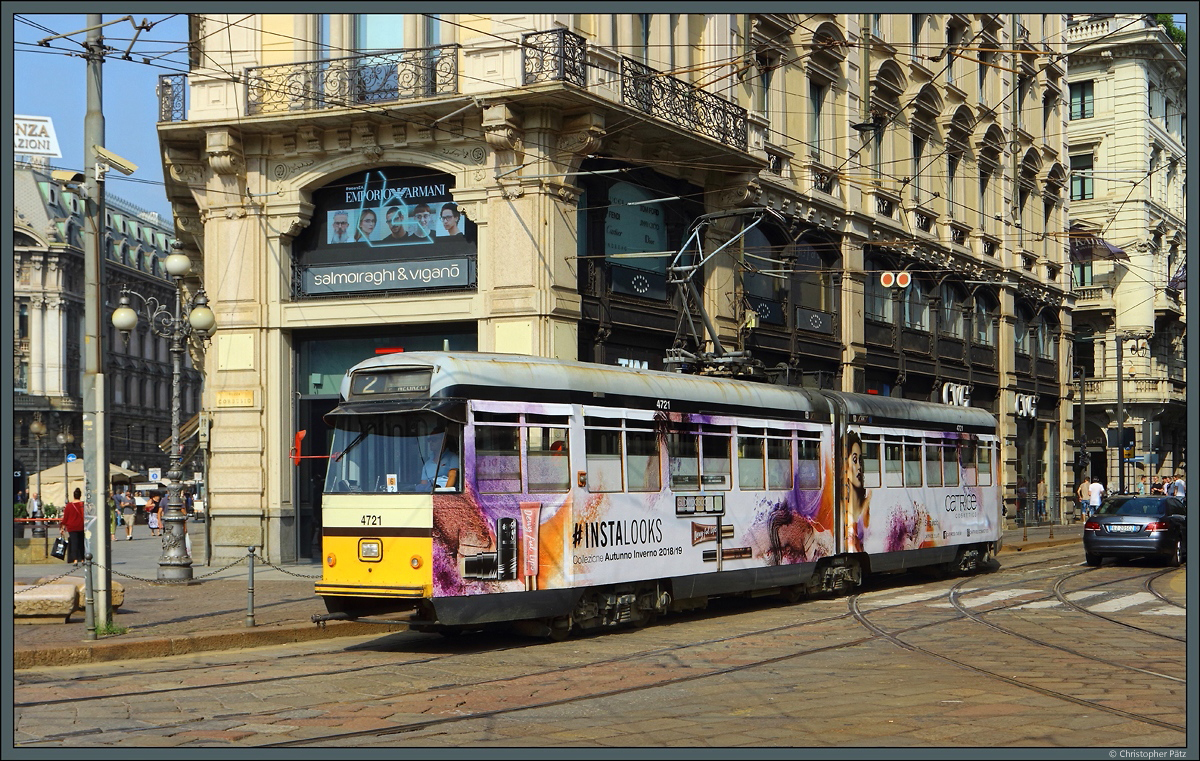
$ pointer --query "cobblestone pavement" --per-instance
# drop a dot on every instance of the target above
(211, 614)
(743, 674)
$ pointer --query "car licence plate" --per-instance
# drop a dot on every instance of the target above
(1123, 528)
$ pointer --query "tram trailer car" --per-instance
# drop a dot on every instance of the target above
(465, 489)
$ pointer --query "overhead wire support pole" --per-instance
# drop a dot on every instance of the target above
(95, 423)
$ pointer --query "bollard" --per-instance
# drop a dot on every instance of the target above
(89, 610)
(250, 591)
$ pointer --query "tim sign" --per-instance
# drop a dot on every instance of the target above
(34, 136)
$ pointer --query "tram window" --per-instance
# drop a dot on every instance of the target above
(547, 419)
(644, 463)
(498, 459)
(966, 455)
(716, 469)
(950, 466)
(985, 464)
(912, 464)
(779, 463)
(892, 463)
(549, 463)
(870, 463)
(750, 463)
(683, 462)
(496, 417)
(643, 425)
(808, 454)
(591, 421)
(603, 452)
(933, 464)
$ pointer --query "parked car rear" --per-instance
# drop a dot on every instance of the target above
(1137, 526)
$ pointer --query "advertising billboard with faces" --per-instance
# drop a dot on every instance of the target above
(389, 228)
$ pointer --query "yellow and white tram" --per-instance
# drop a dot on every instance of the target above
(464, 489)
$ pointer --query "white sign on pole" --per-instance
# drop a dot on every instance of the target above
(34, 136)
(156, 474)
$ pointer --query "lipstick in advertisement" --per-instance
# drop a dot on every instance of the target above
(530, 519)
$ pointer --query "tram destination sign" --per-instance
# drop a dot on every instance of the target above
(458, 272)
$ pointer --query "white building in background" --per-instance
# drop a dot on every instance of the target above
(48, 319)
(1128, 152)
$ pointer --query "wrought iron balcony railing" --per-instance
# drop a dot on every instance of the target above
(172, 98)
(675, 101)
(554, 56)
(358, 80)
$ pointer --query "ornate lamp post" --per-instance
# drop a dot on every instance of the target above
(66, 438)
(38, 429)
(175, 563)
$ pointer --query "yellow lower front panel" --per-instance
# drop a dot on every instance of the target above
(377, 545)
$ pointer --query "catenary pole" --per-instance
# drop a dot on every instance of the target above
(95, 424)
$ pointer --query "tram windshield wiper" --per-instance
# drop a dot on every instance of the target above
(338, 457)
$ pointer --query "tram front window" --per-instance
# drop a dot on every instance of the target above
(381, 454)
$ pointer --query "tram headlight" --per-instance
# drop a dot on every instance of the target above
(331, 560)
(370, 550)
(415, 562)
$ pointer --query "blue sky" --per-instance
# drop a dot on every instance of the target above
(48, 81)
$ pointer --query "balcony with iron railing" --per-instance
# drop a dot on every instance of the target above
(353, 81)
(680, 103)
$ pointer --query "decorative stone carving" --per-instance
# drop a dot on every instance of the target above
(568, 194)
(310, 139)
(372, 152)
(223, 147)
(503, 132)
(343, 139)
(400, 134)
(467, 155)
(283, 170)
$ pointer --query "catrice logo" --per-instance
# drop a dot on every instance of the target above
(616, 533)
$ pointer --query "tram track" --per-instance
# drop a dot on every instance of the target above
(459, 696)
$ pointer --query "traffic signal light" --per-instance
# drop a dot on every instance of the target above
(895, 279)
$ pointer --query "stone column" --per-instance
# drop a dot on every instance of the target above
(37, 386)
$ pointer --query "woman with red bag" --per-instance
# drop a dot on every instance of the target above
(72, 525)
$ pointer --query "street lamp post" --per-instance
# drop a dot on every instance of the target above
(38, 429)
(66, 438)
(175, 563)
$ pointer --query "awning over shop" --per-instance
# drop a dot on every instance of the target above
(1087, 247)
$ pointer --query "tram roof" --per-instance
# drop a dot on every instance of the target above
(480, 371)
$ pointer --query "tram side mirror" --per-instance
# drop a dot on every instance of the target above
(296, 446)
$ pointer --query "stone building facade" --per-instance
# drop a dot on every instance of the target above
(541, 170)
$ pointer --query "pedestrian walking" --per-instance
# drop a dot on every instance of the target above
(1143, 486)
(1168, 486)
(1083, 494)
(154, 515)
(1180, 486)
(1096, 492)
(128, 512)
(71, 526)
(1041, 500)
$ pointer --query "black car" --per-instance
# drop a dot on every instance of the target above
(1131, 526)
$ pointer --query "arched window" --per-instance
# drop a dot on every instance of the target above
(985, 319)
(951, 313)
(916, 306)
(877, 299)
(1024, 328)
(763, 282)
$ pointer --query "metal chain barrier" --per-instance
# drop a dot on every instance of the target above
(47, 582)
(176, 581)
(289, 573)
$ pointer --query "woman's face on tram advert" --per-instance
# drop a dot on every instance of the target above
(854, 463)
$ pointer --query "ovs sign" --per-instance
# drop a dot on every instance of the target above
(1026, 405)
(956, 394)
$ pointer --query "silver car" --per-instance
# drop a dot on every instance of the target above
(1133, 526)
